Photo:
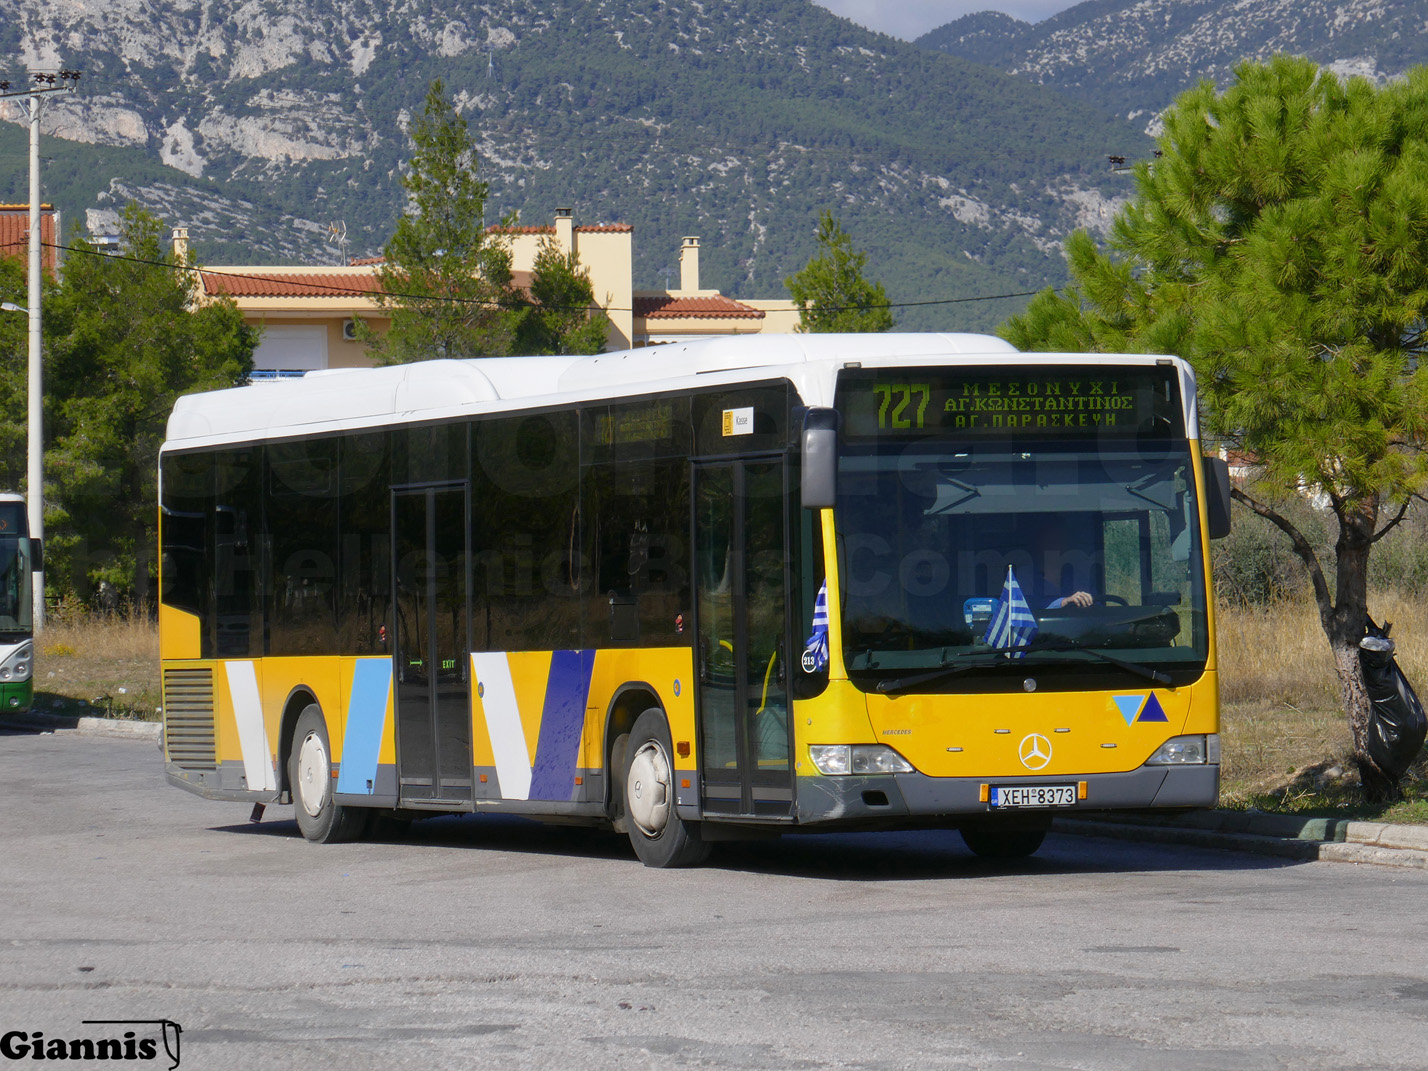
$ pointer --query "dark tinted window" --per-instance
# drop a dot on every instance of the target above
(365, 570)
(303, 547)
(639, 515)
(529, 562)
(237, 544)
(744, 420)
(187, 511)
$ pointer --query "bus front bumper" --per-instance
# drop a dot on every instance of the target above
(916, 797)
(17, 697)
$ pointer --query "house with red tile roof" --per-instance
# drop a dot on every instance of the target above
(15, 233)
(664, 316)
(309, 315)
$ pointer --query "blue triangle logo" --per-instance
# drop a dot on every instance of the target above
(1130, 705)
(1153, 710)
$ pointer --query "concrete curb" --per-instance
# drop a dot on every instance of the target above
(1328, 839)
(36, 721)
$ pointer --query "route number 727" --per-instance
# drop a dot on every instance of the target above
(895, 400)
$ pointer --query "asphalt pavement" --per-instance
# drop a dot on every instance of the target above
(496, 941)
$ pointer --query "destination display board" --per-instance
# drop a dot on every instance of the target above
(1010, 403)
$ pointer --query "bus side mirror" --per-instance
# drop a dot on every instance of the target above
(819, 463)
(37, 556)
(1217, 496)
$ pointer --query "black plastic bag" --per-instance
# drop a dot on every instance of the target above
(1397, 725)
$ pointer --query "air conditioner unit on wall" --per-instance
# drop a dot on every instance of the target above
(349, 330)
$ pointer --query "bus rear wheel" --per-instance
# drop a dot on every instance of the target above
(659, 836)
(992, 843)
(320, 817)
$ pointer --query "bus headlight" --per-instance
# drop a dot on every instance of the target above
(1187, 750)
(836, 759)
(17, 666)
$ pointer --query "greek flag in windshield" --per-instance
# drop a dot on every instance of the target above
(1012, 623)
(815, 651)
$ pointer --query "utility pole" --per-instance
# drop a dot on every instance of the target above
(35, 471)
(35, 480)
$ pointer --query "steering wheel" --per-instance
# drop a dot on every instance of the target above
(1112, 600)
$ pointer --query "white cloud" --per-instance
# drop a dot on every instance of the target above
(912, 18)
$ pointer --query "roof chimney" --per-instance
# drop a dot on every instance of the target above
(181, 244)
(689, 264)
(565, 230)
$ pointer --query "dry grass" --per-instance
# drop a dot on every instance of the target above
(107, 665)
(1282, 720)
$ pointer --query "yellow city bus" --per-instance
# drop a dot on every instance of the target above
(698, 592)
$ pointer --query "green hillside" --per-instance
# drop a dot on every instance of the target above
(738, 121)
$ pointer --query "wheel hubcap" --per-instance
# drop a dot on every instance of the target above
(312, 774)
(647, 794)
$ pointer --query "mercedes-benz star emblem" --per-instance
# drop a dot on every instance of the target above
(1034, 751)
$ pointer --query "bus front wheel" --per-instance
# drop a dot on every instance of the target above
(660, 837)
(321, 819)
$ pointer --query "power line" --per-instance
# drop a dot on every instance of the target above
(349, 291)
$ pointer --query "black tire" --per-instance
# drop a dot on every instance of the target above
(1003, 843)
(321, 819)
(659, 836)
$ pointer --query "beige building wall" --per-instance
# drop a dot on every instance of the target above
(605, 250)
(780, 315)
(281, 298)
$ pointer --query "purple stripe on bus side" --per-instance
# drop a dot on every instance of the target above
(562, 721)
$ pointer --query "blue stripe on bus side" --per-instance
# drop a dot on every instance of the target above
(366, 722)
(561, 724)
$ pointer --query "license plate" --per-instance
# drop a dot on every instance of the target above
(1033, 796)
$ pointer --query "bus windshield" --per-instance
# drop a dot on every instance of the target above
(1101, 540)
(15, 602)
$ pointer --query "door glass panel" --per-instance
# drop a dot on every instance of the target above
(765, 668)
(714, 521)
(449, 644)
(415, 737)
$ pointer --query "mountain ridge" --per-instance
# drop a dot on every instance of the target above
(738, 120)
(1133, 57)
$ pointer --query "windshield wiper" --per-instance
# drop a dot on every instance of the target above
(986, 659)
(1152, 675)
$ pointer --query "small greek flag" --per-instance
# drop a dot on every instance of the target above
(815, 651)
(1012, 623)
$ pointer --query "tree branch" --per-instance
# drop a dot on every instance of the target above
(1391, 525)
(1301, 547)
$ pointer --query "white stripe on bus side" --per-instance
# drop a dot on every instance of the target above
(252, 736)
(503, 724)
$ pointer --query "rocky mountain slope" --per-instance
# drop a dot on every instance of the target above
(261, 122)
(1132, 57)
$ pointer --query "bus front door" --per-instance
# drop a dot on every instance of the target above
(741, 557)
(433, 679)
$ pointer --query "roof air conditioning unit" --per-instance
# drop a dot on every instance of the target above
(349, 330)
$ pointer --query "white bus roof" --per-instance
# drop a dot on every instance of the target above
(350, 399)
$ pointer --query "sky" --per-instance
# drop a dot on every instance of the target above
(913, 18)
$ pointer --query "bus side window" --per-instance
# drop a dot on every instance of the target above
(639, 511)
(187, 508)
(528, 569)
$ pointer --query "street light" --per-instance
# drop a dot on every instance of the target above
(10, 306)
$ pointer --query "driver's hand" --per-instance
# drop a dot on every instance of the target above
(1080, 598)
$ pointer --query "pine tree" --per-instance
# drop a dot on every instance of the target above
(561, 317)
(830, 290)
(123, 341)
(446, 278)
(1280, 242)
